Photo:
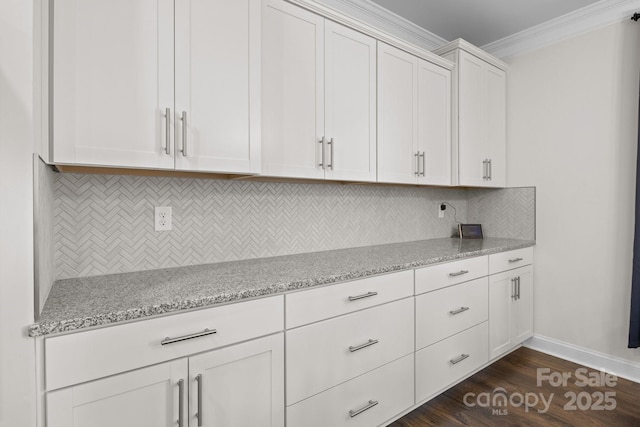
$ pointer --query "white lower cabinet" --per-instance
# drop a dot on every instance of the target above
(358, 353)
(368, 400)
(445, 312)
(219, 385)
(147, 397)
(444, 363)
(510, 309)
(324, 354)
(240, 385)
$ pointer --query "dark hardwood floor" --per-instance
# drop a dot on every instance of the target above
(517, 374)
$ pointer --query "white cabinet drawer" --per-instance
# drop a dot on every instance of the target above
(83, 356)
(391, 386)
(317, 304)
(450, 273)
(447, 311)
(509, 260)
(325, 354)
(442, 364)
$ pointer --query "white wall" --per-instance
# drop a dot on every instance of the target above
(572, 132)
(17, 366)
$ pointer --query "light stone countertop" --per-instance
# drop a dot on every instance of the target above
(75, 304)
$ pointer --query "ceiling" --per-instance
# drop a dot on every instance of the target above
(480, 21)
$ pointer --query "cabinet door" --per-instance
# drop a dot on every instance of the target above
(292, 91)
(218, 85)
(147, 397)
(502, 291)
(242, 385)
(434, 124)
(350, 104)
(496, 125)
(472, 118)
(112, 82)
(523, 313)
(510, 309)
(397, 115)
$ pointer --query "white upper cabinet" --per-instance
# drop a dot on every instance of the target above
(434, 124)
(112, 72)
(479, 123)
(496, 111)
(350, 104)
(292, 90)
(217, 107)
(397, 115)
(414, 119)
(116, 101)
(318, 97)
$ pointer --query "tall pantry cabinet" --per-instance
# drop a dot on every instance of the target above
(162, 84)
(479, 115)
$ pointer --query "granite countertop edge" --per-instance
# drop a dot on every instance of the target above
(49, 327)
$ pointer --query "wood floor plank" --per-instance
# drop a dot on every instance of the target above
(517, 374)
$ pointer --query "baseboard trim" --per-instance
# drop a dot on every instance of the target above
(584, 356)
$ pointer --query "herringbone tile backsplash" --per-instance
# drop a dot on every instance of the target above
(104, 223)
(505, 212)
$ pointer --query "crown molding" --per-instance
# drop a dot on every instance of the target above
(385, 20)
(330, 9)
(588, 18)
(473, 50)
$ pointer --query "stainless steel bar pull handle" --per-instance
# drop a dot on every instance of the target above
(354, 348)
(423, 164)
(184, 133)
(204, 333)
(367, 295)
(485, 174)
(181, 403)
(355, 412)
(167, 131)
(458, 311)
(518, 285)
(321, 142)
(459, 273)
(459, 359)
(199, 414)
(331, 143)
(515, 260)
(417, 156)
(490, 174)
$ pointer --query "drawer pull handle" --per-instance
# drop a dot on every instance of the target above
(353, 348)
(167, 132)
(367, 295)
(368, 406)
(459, 273)
(459, 359)
(199, 414)
(458, 311)
(204, 333)
(180, 403)
(515, 260)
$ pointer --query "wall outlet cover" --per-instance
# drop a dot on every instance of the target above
(162, 216)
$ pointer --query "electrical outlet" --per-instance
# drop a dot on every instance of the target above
(162, 215)
(440, 213)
